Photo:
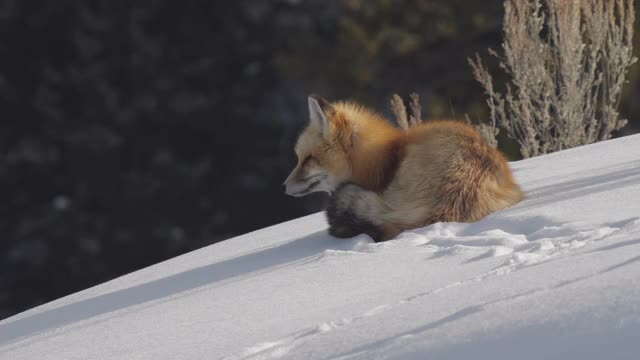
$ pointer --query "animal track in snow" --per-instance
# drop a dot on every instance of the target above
(524, 242)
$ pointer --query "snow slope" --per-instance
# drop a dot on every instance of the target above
(556, 277)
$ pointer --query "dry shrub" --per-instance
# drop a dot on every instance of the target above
(400, 111)
(567, 61)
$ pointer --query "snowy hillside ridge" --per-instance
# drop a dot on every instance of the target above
(555, 277)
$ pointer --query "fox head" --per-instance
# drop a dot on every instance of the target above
(322, 150)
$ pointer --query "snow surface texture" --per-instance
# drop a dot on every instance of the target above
(555, 277)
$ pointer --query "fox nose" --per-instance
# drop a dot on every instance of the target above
(284, 187)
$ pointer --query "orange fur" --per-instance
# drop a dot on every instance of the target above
(438, 171)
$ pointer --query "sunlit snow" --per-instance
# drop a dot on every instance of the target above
(555, 277)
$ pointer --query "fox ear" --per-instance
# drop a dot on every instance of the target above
(318, 108)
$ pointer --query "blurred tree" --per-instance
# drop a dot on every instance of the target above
(371, 49)
(132, 132)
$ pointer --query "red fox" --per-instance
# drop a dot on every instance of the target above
(383, 180)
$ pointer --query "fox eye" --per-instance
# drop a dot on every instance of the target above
(307, 160)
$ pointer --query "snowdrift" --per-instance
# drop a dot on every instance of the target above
(555, 277)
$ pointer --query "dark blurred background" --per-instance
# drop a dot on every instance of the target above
(135, 131)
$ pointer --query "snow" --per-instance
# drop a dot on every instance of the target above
(555, 277)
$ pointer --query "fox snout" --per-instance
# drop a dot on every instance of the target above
(301, 182)
(302, 186)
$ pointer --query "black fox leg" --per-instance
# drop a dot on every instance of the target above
(344, 216)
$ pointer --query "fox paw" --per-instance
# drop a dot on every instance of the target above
(359, 227)
(341, 204)
(344, 198)
(343, 219)
(342, 231)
